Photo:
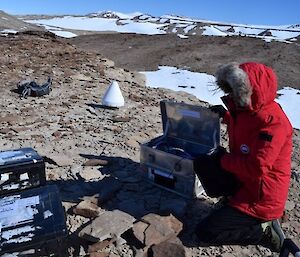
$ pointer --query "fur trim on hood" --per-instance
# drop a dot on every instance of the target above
(234, 81)
(251, 85)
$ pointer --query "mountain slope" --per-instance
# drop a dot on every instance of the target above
(197, 53)
(10, 23)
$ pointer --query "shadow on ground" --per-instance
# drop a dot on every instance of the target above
(125, 189)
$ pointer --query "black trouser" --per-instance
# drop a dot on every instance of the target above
(227, 226)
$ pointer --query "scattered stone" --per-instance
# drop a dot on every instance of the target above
(20, 129)
(139, 230)
(120, 119)
(114, 255)
(57, 134)
(82, 77)
(167, 249)
(132, 143)
(90, 173)
(99, 246)
(96, 162)
(60, 160)
(120, 241)
(87, 209)
(5, 130)
(158, 229)
(91, 110)
(108, 225)
(11, 119)
(289, 205)
(96, 254)
(66, 112)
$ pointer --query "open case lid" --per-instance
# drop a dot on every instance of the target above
(193, 123)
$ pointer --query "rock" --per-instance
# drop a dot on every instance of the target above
(90, 173)
(139, 230)
(60, 160)
(5, 130)
(233, 255)
(96, 162)
(108, 225)
(57, 134)
(132, 143)
(82, 77)
(91, 110)
(120, 119)
(113, 255)
(85, 129)
(157, 229)
(289, 205)
(82, 251)
(20, 129)
(167, 249)
(11, 119)
(99, 246)
(294, 165)
(120, 241)
(87, 209)
(96, 254)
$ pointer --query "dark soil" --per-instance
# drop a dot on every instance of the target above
(197, 53)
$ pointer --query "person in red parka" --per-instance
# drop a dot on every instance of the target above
(260, 143)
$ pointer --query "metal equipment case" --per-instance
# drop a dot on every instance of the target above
(32, 223)
(21, 169)
(188, 131)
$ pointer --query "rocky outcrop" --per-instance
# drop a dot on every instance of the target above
(92, 152)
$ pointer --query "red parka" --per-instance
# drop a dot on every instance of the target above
(260, 141)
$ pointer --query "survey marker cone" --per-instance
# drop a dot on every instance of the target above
(113, 96)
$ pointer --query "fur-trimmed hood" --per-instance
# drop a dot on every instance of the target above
(251, 85)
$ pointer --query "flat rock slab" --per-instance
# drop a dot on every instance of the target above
(167, 249)
(108, 225)
(88, 209)
(154, 229)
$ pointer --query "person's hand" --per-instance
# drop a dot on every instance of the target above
(209, 161)
(219, 109)
(217, 155)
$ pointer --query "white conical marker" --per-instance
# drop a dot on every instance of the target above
(113, 96)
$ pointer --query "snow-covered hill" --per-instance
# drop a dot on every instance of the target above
(108, 21)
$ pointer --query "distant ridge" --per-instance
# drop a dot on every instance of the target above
(139, 23)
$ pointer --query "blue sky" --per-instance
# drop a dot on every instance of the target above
(266, 12)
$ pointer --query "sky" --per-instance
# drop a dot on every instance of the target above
(258, 12)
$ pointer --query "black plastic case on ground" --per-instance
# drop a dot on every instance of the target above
(21, 169)
(33, 223)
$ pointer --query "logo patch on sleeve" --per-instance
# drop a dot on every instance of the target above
(244, 149)
(265, 136)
